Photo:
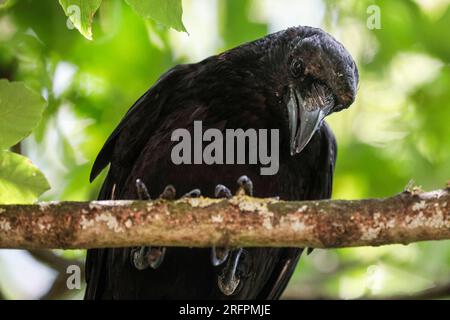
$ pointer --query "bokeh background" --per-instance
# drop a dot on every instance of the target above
(397, 130)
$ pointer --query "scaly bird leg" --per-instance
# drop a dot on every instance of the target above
(229, 280)
(145, 257)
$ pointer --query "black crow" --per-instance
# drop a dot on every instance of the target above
(287, 81)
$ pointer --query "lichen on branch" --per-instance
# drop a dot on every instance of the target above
(240, 221)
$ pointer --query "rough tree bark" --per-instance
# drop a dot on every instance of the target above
(241, 221)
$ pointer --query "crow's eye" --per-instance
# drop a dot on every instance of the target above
(296, 68)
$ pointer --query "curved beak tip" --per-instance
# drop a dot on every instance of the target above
(304, 119)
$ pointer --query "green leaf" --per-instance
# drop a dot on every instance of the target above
(20, 181)
(81, 14)
(4, 4)
(20, 112)
(166, 12)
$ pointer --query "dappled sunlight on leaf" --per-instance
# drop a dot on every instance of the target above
(20, 181)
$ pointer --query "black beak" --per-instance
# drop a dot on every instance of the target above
(306, 114)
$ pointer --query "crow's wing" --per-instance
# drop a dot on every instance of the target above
(320, 187)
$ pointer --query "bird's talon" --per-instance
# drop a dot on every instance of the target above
(156, 257)
(222, 192)
(169, 193)
(145, 257)
(142, 190)
(219, 256)
(246, 185)
(138, 258)
(193, 194)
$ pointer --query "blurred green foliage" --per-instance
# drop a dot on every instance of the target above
(397, 130)
(20, 111)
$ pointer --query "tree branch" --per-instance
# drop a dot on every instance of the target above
(240, 221)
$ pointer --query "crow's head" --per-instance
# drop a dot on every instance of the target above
(314, 76)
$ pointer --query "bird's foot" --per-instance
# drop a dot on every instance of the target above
(230, 277)
(150, 257)
(220, 255)
(229, 280)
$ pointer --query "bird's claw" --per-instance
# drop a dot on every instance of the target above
(138, 258)
(142, 190)
(219, 256)
(193, 194)
(246, 185)
(222, 192)
(145, 257)
(169, 193)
